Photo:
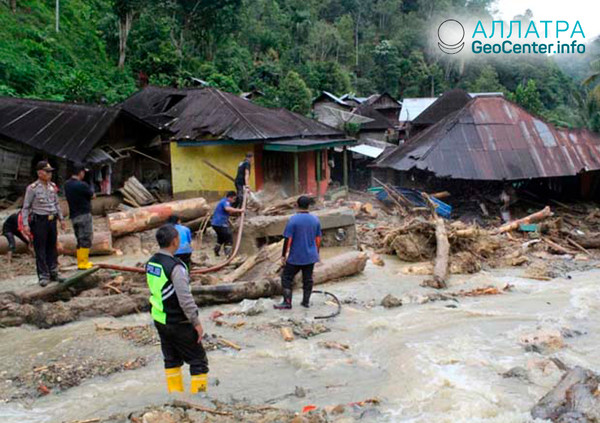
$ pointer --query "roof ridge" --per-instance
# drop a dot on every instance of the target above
(239, 114)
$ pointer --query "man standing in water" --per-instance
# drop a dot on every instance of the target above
(175, 314)
(41, 205)
(242, 179)
(302, 242)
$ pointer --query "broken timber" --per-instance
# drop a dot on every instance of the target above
(442, 253)
(532, 218)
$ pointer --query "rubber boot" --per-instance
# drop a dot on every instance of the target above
(286, 303)
(227, 250)
(306, 299)
(217, 249)
(174, 379)
(199, 383)
(83, 262)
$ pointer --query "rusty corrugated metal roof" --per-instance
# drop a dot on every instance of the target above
(492, 138)
(207, 113)
(64, 130)
(449, 102)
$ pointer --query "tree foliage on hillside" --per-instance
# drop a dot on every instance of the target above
(362, 46)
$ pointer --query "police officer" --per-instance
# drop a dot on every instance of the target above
(175, 314)
(40, 214)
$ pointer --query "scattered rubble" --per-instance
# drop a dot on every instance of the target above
(390, 301)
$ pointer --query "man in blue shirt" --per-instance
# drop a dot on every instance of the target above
(302, 242)
(184, 252)
(220, 222)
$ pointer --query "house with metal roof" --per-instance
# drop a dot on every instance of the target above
(209, 129)
(65, 133)
(490, 138)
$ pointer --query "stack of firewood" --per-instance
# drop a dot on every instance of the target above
(135, 194)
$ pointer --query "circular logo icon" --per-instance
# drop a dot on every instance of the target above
(451, 34)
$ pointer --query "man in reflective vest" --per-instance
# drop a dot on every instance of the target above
(175, 314)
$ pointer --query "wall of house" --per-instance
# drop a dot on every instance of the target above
(192, 177)
(308, 172)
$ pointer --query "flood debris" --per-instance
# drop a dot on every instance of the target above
(543, 341)
(573, 400)
(180, 411)
(65, 374)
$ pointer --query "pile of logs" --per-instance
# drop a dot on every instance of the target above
(135, 194)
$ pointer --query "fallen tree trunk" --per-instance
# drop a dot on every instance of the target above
(347, 264)
(49, 292)
(588, 241)
(145, 218)
(67, 244)
(532, 218)
(442, 253)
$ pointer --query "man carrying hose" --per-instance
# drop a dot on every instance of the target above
(175, 314)
(302, 242)
(220, 222)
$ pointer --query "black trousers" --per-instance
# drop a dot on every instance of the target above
(186, 258)
(44, 243)
(239, 189)
(290, 271)
(224, 235)
(10, 237)
(83, 227)
(179, 344)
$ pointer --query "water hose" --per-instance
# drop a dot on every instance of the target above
(337, 301)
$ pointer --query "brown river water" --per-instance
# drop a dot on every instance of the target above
(435, 362)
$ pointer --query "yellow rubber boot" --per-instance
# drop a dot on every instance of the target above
(79, 258)
(85, 256)
(199, 383)
(174, 380)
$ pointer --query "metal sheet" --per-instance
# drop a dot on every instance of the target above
(492, 138)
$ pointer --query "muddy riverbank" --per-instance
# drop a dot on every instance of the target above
(444, 360)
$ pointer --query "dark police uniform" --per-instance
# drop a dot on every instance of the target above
(175, 316)
(41, 211)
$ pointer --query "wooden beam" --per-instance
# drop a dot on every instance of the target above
(296, 175)
(319, 154)
(345, 153)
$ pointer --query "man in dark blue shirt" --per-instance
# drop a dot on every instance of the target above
(302, 242)
(220, 222)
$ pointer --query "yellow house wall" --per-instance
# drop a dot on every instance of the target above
(191, 176)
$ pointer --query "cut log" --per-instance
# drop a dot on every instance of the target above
(280, 207)
(101, 244)
(287, 334)
(442, 253)
(532, 218)
(145, 218)
(67, 244)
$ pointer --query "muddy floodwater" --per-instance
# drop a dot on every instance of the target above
(440, 361)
